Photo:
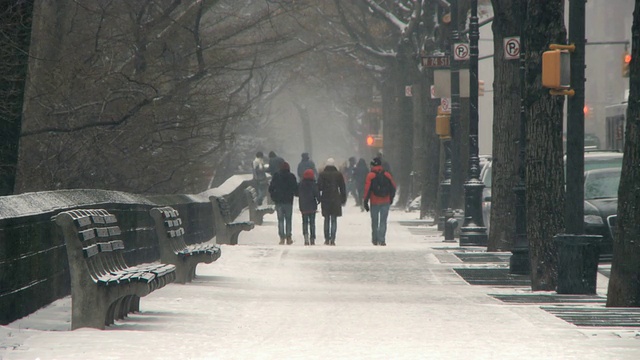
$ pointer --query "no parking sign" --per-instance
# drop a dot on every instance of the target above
(511, 46)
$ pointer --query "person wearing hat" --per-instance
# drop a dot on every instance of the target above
(283, 188)
(379, 189)
(333, 196)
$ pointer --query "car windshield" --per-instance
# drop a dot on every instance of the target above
(599, 185)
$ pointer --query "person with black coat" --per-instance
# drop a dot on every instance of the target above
(283, 188)
(308, 198)
(333, 196)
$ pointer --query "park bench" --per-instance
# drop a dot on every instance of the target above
(227, 230)
(174, 250)
(103, 287)
(256, 211)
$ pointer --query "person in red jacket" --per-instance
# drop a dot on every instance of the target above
(380, 189)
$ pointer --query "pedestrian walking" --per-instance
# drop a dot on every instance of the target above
(308, 199)
(275, 162)
(360, 175)
(332, 197)
(306, 163)
(282, 189)
(380, 189)
(350, 179)
(260, 176)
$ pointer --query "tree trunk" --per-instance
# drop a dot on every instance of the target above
(431, 179)
(306, 127)
(506, 126)
(419, 153)
(15, 28)
(397, 127)
(624, 283)
(545, 170)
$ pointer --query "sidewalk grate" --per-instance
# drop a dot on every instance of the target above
(492, 276)
(482, 257)
(597, 316)
(548, 298)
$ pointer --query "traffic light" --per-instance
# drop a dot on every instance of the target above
(443, 124)
(374, 140)
(556, 69)
(626, 60)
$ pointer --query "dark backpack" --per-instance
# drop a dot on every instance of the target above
(381, 185)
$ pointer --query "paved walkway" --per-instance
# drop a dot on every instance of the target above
(352, 301)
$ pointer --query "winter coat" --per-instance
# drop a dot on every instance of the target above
(283, 187)
(274, 165)
(376, 200)
(308, 195)
(306, 164)
(333, 193)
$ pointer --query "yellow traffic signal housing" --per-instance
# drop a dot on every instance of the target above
(374, 141)
(556, 69)
(443, 124)
(626, 60)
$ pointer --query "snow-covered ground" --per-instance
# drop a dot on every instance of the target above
(261, 300)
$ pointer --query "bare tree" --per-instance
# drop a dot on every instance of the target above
(506, 112)
(143, 96)
(545, 170)
(624, 283)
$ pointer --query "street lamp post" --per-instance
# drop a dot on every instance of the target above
(519, 262)
(473, 231)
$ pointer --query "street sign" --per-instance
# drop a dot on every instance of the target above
(408, 91)
(511, 47)
(436, 61)
(445, 105)
(461, 51)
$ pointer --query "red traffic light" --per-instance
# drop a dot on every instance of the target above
(627, 58)
(370, 140)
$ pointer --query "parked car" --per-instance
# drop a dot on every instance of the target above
(599, 159)
(601, 205)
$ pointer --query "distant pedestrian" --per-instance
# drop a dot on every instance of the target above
(306, 163)
(380, 189)
(384, 162)
(260, 176)
(332, 197)
(282, 189)
(360, 175)
(275, 162)
(350, 179)
(308, 199)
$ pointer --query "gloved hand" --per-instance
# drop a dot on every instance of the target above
(366, 206)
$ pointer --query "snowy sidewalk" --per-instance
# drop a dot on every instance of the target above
(261, 300)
